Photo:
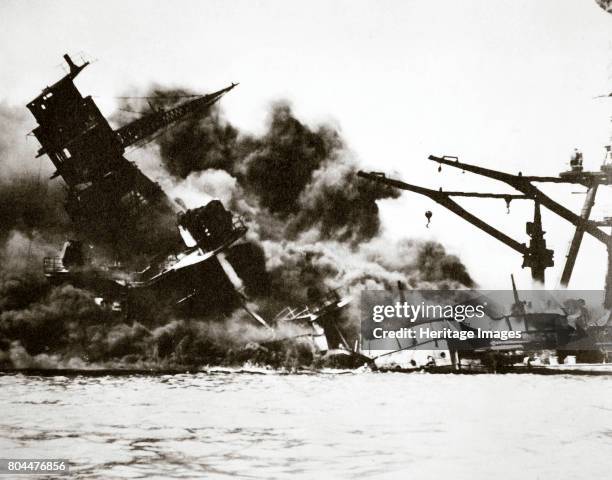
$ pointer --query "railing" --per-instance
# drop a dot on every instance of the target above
(289, 314)
(330, 298)
(238, 225)
(53, 265)
(238, 230)
(313, 311)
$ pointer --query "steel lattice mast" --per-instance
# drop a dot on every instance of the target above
(145, 127)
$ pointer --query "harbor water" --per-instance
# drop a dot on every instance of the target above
(261, 424)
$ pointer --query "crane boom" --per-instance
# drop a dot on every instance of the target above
(535, 256)
(524, 185)
(443, 198)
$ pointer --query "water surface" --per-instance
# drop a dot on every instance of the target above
(224, 424)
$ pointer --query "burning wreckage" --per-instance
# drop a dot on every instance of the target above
(137, 249)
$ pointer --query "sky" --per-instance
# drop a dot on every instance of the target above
(506, 84)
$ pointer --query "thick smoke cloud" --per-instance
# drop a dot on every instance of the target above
(31, 208)
(301, 175)
(313, 227)
(16, 148)
(28, 204)
(317, 223)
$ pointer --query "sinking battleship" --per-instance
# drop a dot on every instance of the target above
(135, 248)
(144, 242)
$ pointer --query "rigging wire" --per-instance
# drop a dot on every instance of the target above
(37, 192)
(154, 97)
(133, 111)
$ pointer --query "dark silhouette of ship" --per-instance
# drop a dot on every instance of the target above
(133, 244)
(136, 249)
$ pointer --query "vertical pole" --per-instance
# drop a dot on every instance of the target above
(608, 293)
(574, 247)
(537, 246)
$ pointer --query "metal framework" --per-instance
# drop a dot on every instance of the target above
(143, 128)
(535, 255)
(110, 200)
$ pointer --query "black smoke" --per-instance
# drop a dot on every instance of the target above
(302, 175)
(313, 227)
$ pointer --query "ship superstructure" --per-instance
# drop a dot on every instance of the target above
(108, 198)
(133, 244)
(136, 249)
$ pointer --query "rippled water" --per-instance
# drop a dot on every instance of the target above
(350, 425)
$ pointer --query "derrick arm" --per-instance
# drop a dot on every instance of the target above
(443, 198)
(523, 184)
